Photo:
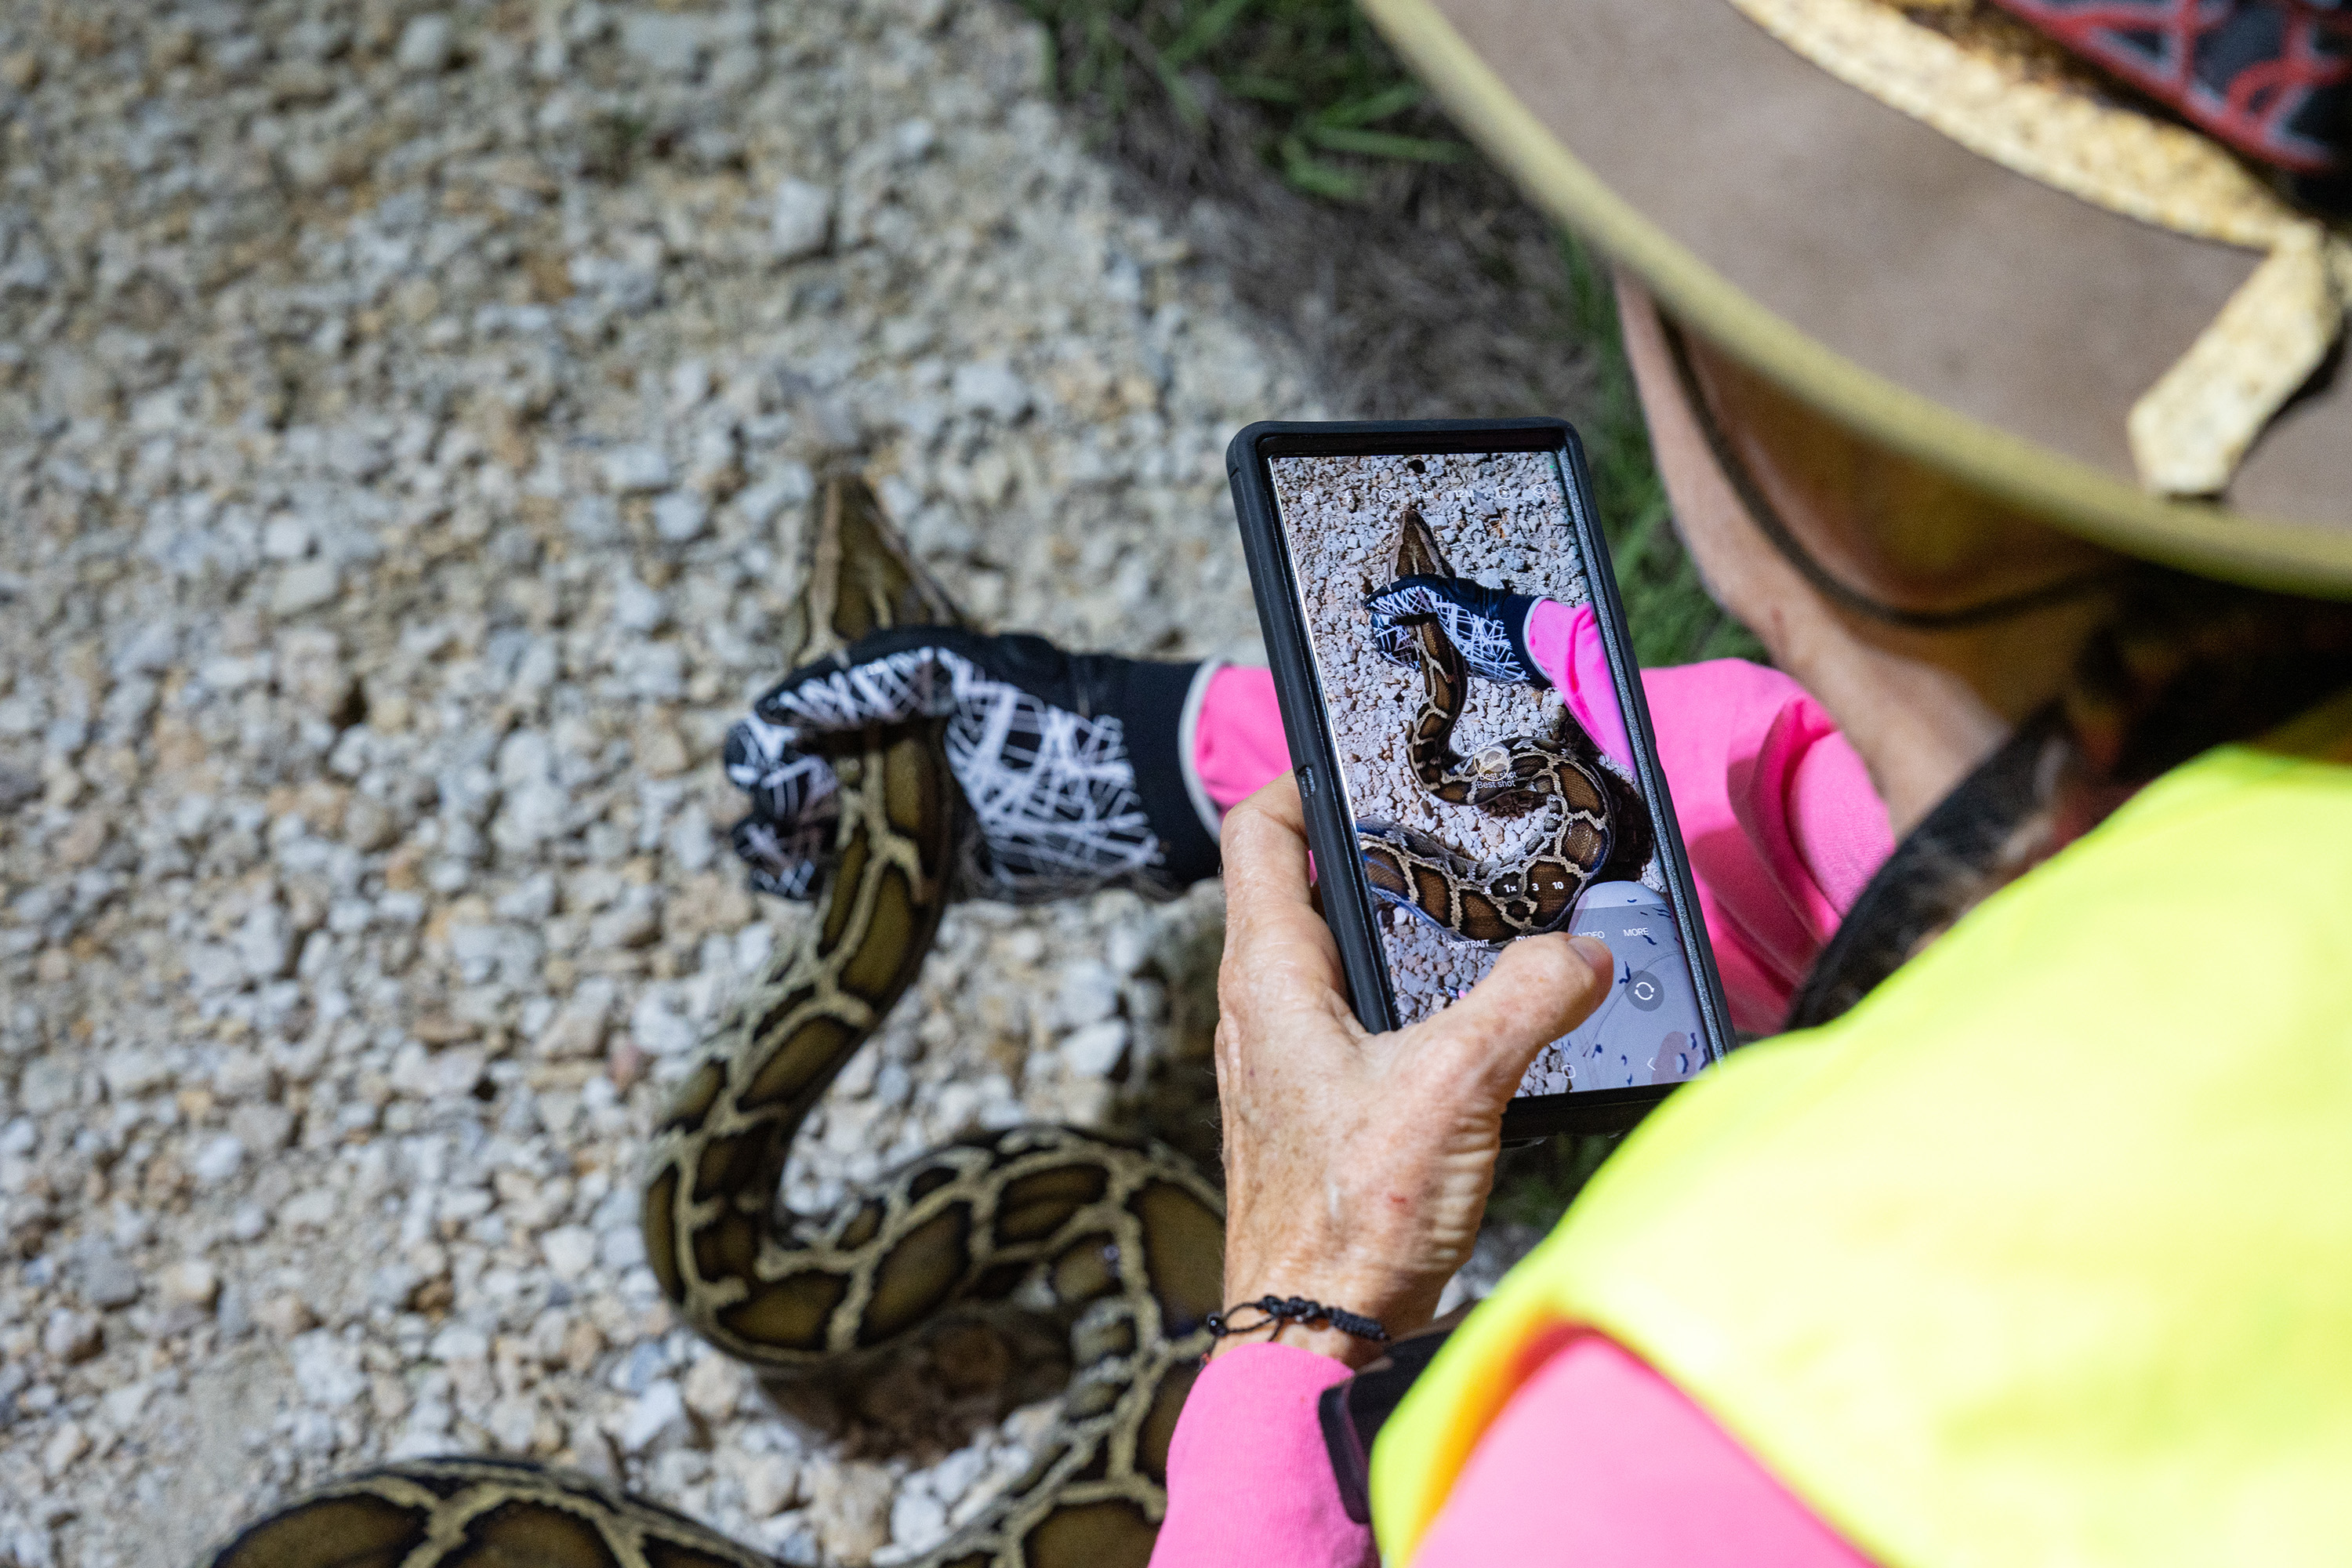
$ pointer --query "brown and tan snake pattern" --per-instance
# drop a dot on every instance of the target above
(1598, 828)
(1119, 1243)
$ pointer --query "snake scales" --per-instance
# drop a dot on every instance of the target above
(1599, 829)
(1121, 1242)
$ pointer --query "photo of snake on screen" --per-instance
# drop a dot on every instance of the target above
(1483, 755)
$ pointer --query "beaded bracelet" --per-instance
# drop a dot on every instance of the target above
(1296, 1309)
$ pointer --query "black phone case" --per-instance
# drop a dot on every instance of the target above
(1347, 905)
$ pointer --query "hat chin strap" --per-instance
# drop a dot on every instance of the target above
(1784, 541)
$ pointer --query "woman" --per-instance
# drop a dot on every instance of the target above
(2027, 1251)
(2025, 1243)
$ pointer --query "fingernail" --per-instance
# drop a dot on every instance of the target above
(1595, 953)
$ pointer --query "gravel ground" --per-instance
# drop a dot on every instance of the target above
(402, 414)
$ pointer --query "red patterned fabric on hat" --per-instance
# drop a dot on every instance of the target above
(2267, 77)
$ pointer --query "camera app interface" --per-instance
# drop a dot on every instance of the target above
(1483, 755)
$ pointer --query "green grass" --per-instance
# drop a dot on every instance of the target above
(1333, 101)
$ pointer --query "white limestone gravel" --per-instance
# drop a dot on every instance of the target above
(404, 414)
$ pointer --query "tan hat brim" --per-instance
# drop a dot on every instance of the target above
(1899, 282)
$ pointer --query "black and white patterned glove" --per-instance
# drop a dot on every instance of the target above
(1073, 764)
(796, 801)
(1490, 625)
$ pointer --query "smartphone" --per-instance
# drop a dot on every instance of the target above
(1451, 813)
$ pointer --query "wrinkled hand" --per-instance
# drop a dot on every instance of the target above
(1488, 625)
(1357, 1165)
(1069, 762)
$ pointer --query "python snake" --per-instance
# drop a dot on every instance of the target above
(1121, 1242)
(1599, 830)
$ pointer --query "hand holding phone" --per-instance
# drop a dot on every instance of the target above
(1411, 578)
(1357, 1168)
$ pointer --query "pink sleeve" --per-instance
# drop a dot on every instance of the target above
(1777, 811)
(1238, 745)
(1599, 1462)
(1248, 1477)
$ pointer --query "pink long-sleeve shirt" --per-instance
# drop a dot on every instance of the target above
(1777, 811)
(1596, 1461)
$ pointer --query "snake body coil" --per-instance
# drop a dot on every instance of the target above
(1122, 1243)
(1599, 829)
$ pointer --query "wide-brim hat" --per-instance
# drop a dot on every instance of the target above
(1951, 246)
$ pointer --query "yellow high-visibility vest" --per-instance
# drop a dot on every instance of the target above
(2042, 1253)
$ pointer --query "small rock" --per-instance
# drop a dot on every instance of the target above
(692, 844)
(681, 517)
(917, 1520)
(577, 1032)
(456, 1073)
(221, 1157)
(305, 586)
(287, 539)
(327, 1370)
(107, 1280)
(1094, 1050)
(428, 44)
(394, 1286)
(261, 1129)
(715, 1387)
(48, 1084)
(122, 1406)
(634, 470)
(369, 825)
(21, 69)
(658, 1417)
(1089, 993)
(265, 943)
(661, 750)
(621, 1249)
(592, 520)
(770, 1483)
(569, 1251)
(665, 43)
(633, 924)
(689, 382)
(309, 1210)
(637, 608)
(990, 388)
(803, 221)
(64, 1449)
(16, 788)
(69, 1337)
(285, 1315)
(790, 486)
(657, 1028)
(131, 1073)
(849, 1507)
(192, 1282)
(513, 1423)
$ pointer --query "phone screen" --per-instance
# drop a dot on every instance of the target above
(1487, 810)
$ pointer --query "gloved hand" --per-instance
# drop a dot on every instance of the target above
(1071, 763)
(1490, 625)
